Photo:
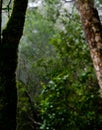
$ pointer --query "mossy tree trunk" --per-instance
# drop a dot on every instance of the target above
(93, 32)
(8, 62)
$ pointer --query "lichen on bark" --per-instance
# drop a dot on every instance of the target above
(93, 32)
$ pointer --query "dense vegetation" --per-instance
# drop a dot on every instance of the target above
(57, 86)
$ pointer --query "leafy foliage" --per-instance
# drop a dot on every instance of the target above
(64, 108)
(71, 100)
(27, 111)
(56, 70)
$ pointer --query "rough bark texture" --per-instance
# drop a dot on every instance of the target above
(8, 62)
(93, 32)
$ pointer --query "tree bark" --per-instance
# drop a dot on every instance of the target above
(8, 62)
(93, 32)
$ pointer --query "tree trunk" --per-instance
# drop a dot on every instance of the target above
(93, 32)
(8, 62)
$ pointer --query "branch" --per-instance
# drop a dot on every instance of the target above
(8, 8)
(67, 1)
(15, 24)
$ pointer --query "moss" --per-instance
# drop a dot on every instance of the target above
(8, 62)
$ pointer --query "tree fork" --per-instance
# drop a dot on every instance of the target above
(93, 32)
(8, 62)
